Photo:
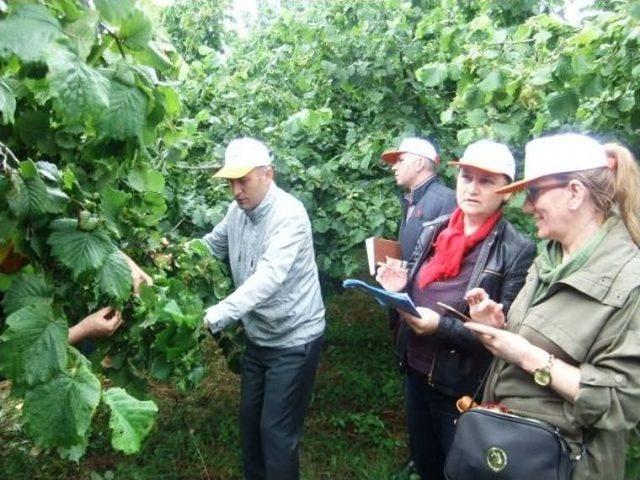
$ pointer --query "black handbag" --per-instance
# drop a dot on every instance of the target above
(492, 445)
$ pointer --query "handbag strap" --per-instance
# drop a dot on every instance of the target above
(583, 447)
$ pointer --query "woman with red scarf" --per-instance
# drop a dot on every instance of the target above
(473, 247)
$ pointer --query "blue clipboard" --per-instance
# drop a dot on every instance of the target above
(390, 299)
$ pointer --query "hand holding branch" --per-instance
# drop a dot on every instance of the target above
(102, 323)
(138, 275)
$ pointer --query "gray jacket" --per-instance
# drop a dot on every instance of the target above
(270, 250)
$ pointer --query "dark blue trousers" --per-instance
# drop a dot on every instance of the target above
(275, 393)
(431, 418)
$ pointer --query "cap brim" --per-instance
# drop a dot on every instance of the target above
(391, 157)
(232, 172)
(514, 187)
(460, 164)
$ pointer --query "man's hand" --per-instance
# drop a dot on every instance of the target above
(392, 275)
(138, 276)
(484, 310)
(214, 321)
(102, 323)
(426, 324)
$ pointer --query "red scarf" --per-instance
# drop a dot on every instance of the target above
(451, 246)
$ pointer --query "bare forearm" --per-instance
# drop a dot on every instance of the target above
(76, 334)
(565, 378)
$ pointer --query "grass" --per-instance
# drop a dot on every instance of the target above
(354, 429)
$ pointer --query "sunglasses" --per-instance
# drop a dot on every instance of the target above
(535, 191)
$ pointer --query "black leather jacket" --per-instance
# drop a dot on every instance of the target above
(460, 358)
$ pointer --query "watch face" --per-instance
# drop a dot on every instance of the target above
(542, 377)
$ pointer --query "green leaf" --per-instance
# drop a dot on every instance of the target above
(562, 105)
(28, 31)
(58, 413)
(114, 278)
(125, 116)
(75, 452)
(146, 180)
(26, 289)
(7, 227)
(125, 73)
(343, 206)
(153, 208)
(627, 101)
(505, 132)
(79, 250)
(465, 136)
(80, 93)
(48, 171)
(29, 196)
(81, 34)
(34, 347)
(476, 117)
(115, 11)
(492, 82)
(432, 74)
(153, 56)
(171, 98)
(7, 103)
(541, 77)
(131, 419)
(135, 31)
(34, 129)
(113, 201)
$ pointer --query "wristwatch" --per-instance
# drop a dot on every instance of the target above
(542, 376)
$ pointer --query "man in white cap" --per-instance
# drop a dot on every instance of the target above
(415, 165)
(266, 235)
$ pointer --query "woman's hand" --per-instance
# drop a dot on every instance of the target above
(426, 324)
(515, 349)
(392, 275)
(510, 347)
(484, 310)
(102, 323)
(138, 276)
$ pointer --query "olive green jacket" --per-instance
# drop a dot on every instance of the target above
(591, 319)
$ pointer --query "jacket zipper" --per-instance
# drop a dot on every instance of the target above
(484, 254)
(433, 366)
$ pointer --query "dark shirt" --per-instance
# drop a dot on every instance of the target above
(421, 348)
(429, 201)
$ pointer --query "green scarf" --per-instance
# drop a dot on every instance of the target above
(552, 269)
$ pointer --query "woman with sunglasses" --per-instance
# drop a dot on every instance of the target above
(473, 247)
(570, 353)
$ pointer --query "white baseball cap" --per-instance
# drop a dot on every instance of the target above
(417, 146)
(243, 155)
(564, 153)
(490, 156)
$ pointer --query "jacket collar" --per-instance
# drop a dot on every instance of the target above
(603, 277)
(258, 213)
(418, 192)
